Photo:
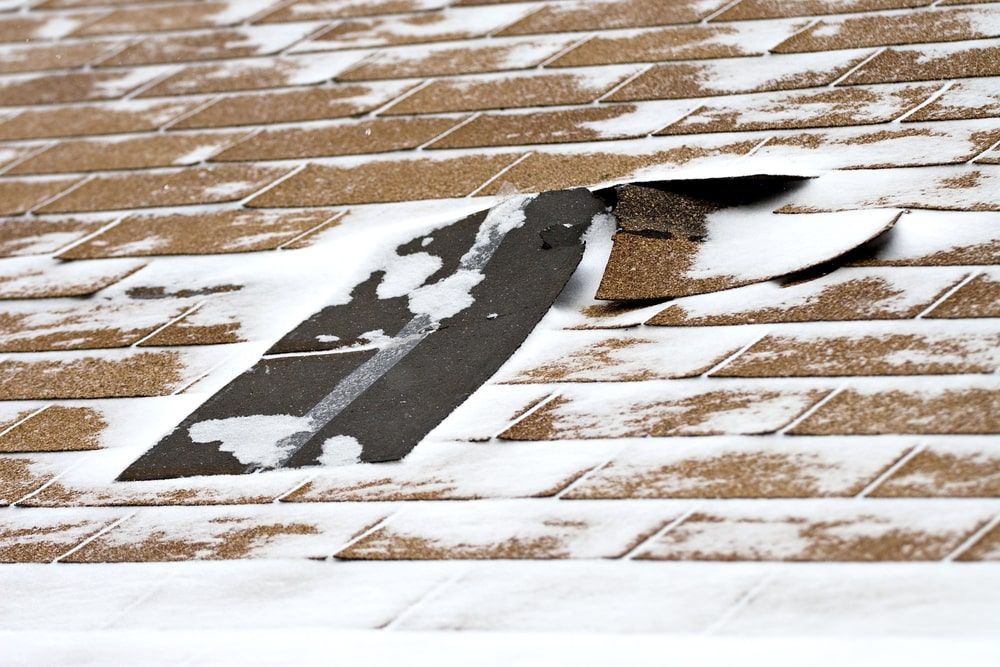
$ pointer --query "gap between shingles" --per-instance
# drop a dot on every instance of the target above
(103, 531)
(663, 530)
(523, 17)
(527, 413)
(62, 193)
(48, 483)
(28, 156)
(881, 478)
(971, 541)
(212, 99)
(169, 322)
(738, 353)
(270, 186)
(810, 411)
(845, 75)
(423, 599)
(312, 230)
(721, 10)
(948, 293)
(933, 96)
(451, 129)
(87, 237)
(10, 428)
(992, 147)
(500, 173)
(621, 84)
(586, 476)
(559, 54)
(370, 530)
(742, 602)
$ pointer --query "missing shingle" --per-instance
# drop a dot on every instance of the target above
(409, 353)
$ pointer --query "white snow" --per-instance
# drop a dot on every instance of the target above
(340, 450)
(254, 440)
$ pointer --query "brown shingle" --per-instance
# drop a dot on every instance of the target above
(507, 91)
(946, 61)
(20, 196)
(741, 469)
(52, 375)
(179, 16)
(176, 188)
(632, 412)
(987, 548)
(199, 234)
(846, 294)
(554, 171)
(838, 534)
(433, 26)
(22, 28)
(199, 46)
(39, 236)
(289, 106)
(680, 43)
(544, 127)
(407, 62)
(349, 138)
(71, 87)
(40, 278)
(824, 108)
(57, 428)
(956, 469)
(770, 9)
(877, 354)
(743, 75)
(980, 297)
(308, 10)
(384, 181)
(37, 537)
(92, 119)
(37, 57)
(939, 410)
(138, 153)
(891, 29)
(19, 477)
(611, 14)
(80, 326)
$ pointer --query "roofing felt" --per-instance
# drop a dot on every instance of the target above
(733, 373)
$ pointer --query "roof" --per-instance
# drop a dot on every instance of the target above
(755, 387)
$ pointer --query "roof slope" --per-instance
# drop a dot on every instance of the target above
(763, 441)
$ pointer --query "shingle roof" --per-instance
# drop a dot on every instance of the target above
(790, 396)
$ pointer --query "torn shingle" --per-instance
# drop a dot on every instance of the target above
(432, 348)
(694, 237)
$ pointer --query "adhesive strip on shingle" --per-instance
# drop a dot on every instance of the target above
(694, 237)
(406, 360)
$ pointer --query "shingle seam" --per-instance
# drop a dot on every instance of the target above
(272, 184)
(42, 147)
(947, 294)
(743, 601)
(423, 599)
(933, 96)
(624, 82)
(811, 410)
(663, 530)
(170, 322)
(880, 479)
(499, 174)
(103, 531)
(721, 10)
(735, 355)
(14, 505)
(312, 230)
(17, 423)
(453, 128)
(156, 80)
(527, 413)
(295, 487)
(62, 193)
(587, 475)
(971, 541)
(209, 101)
(559, 54)
(364, 534)
(858, 66)
(986, 152)
(88, 237)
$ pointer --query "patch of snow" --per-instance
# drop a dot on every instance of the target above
(254, 440)
(340, 450)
